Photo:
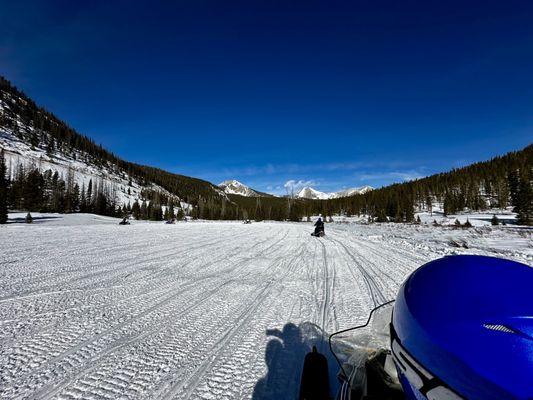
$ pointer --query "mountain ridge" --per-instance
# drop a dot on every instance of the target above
(311, 193)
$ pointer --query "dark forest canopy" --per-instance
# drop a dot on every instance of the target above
(501, 182)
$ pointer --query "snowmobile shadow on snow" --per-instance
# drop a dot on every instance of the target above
(284, 357)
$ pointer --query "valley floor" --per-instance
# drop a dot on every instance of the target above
(210, 310)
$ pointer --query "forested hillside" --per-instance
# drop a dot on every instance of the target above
(498, 183)
(144, 191)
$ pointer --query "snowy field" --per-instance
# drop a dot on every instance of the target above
(210, 310)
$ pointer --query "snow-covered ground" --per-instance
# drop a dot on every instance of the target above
(91, 309)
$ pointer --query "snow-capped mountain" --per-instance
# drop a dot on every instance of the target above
(235, 187)
(310, 193)
(351, 192)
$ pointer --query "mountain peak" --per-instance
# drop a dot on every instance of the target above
(233, 186)
(310, 193)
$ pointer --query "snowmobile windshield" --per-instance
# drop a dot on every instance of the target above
(354, 346)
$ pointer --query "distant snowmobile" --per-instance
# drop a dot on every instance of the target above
(124, 221)
(461, 328)
(319, 228)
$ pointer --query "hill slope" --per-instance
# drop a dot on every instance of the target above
(30, 135)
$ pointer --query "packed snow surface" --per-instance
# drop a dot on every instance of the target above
(199, 310)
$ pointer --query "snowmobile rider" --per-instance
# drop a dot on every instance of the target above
(319, 226)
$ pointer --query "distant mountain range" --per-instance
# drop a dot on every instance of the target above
(233, 186)
(310, 193)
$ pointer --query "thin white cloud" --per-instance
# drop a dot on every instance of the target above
(292, 186)
(295, 169)
(392, 175)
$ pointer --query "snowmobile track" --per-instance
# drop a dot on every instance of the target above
(186, 311)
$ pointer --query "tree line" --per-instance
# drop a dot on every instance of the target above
(46, 191)
(501, 182)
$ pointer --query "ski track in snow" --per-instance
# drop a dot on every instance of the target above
(154, 311)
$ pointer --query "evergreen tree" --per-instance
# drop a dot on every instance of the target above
(3, 189)
(136, 210)
(33, 191)
(50, 147)
(524, 202)
(75, 198)
(513, 182)
(380, 216)
(89, 192)
(83, 199)
(144, 210)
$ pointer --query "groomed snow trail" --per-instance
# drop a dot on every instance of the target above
(192, 310)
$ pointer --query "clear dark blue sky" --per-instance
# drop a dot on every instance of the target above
(339, 94)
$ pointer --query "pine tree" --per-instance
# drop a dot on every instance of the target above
(33, 191)
(144, 210)
(136, 210)
(75, 198)
(50, 147)
(3, 189)
(89, 192)
(513, 183)
(170, 210)
(83, 199)
(524, 202)
(381, 217)
(34, 139)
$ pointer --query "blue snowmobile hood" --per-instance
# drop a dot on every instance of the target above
(468, 321)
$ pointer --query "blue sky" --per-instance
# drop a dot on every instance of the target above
(332, 94)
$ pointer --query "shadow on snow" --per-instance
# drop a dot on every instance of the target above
(284, 357)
